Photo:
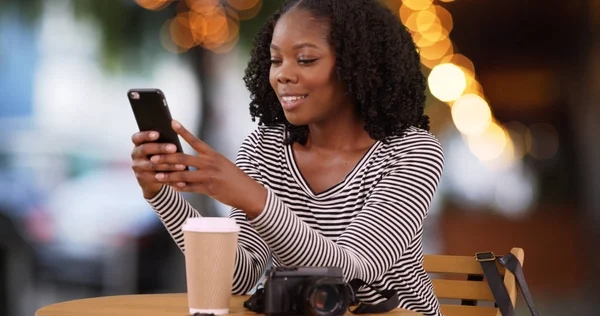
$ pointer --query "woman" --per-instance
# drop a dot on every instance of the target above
(340, 171)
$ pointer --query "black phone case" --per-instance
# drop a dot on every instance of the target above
(152, 113)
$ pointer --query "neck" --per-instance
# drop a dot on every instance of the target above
(343, 132)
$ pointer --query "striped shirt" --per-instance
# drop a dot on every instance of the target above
(370, 224)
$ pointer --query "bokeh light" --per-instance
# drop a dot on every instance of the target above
(154, 5)
(490, 144)
(520, 135)
(242, 5)
(180, 31)
(203, 6)
(432, 56)
(417, 4)
(446, 82)
(471, 115)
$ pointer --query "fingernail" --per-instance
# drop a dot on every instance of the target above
(176, 124)
(153, 135)
(160, 176)
(180, 167)
(155, 158)
(181, 184)
(171, 148)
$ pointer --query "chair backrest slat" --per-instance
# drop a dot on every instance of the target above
(468, 290)
(454, 264)
(459, 288)
(456, 310)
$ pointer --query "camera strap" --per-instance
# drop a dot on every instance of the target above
(496, 283)
(392, 301)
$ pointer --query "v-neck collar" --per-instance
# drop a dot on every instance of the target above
(297, 174)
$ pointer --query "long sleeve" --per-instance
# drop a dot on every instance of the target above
(252, 253)
(383, 229)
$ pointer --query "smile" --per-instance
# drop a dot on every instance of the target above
(290, 103)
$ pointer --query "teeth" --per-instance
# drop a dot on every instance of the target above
(292, 99)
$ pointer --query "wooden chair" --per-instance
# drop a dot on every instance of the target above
(453, 286)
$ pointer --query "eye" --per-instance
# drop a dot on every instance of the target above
(306, 61)
(275, 61)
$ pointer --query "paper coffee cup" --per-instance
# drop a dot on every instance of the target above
(210, 248)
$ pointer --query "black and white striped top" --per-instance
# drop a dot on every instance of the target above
(370, 224)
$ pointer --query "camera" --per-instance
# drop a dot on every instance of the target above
(306, 291)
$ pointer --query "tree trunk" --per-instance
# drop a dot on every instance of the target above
(202, 63)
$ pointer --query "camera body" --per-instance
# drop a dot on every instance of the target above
(306, 291)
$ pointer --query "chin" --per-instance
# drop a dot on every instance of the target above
(295, 119)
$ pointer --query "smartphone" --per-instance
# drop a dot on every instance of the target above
(152, 113)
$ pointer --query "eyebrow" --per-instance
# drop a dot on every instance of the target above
(297, 46)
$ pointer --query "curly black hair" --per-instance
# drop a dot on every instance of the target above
(376, 60)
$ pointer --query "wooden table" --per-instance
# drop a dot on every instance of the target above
(148, 305)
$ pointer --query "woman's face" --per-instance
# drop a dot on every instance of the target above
(303, 69)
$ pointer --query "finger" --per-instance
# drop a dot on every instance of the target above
(168, 167)
(182, 176)
(177, 158)
(197, 144)
(145, 165)
(147, 149)
(144, 137)
(149, 177)
(191, 187)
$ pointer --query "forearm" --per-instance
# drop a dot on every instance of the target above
(252, 256)
(173, 210)
(295, 243)
(252, 253)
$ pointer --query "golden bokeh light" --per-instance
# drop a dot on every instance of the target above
(429, 26)
(154, 5)
(250, 13)
(421, 41)
(404, 12)
(490, 144)
(411, 17)
(243, 5)
(445, 18)
(180, 31)
(461, 61)
(204, 6)
(198, 26)
(225, 34)
(432, 55)
(166, 40)
(520, 135)
(417, 5)
(471, 115)
(446, 82)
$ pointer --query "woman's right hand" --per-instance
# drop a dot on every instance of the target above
(144, 169)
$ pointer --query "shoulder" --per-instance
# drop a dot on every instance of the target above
(264, 138)
(263, 134)
(415, 146)
(415, 139)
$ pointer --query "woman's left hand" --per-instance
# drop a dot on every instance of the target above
(215, 176)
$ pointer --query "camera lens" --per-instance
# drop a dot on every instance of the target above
(325, 296)
(326, 299)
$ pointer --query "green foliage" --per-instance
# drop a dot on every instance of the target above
(249, 28)
(27, 11)
(130, 35)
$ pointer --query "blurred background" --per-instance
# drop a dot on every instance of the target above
(513, 94)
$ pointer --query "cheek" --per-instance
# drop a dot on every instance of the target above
(272, 79)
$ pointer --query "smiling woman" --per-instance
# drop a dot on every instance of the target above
(341, 170)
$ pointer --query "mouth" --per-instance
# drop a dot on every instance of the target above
(291, 102)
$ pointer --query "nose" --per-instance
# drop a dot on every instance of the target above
(287, 74)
